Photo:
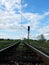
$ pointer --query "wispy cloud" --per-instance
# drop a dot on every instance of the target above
(44, 30)
(8, 17)
(46, 13)
(32, 19)
(11, 17)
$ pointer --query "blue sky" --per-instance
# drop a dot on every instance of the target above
(17, 15)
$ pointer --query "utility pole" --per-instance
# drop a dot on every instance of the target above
(28, 33)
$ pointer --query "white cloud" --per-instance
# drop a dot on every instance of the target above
(32, 19)
(6, 36)
(3, 36)
(8, 16)
(46, 13)
(10, 20)
(45, 31)
(25, 5)
(9, 4)
(7, 20)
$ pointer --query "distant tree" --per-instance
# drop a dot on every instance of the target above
(42, 38)
(1, 39)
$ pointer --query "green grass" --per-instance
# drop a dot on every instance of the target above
(42, 46)
(6, 43)
(21, 47)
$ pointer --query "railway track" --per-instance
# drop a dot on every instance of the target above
(41, 54)
(22, 54)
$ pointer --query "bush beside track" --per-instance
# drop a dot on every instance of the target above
(6, 42)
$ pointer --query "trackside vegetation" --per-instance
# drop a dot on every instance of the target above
(6, 42)
(42, 46)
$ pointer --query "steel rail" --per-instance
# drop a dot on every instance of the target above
(40, 53)
(9, 46)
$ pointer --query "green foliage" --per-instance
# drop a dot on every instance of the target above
(43, 47)
(6, 42)
(42, 39)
